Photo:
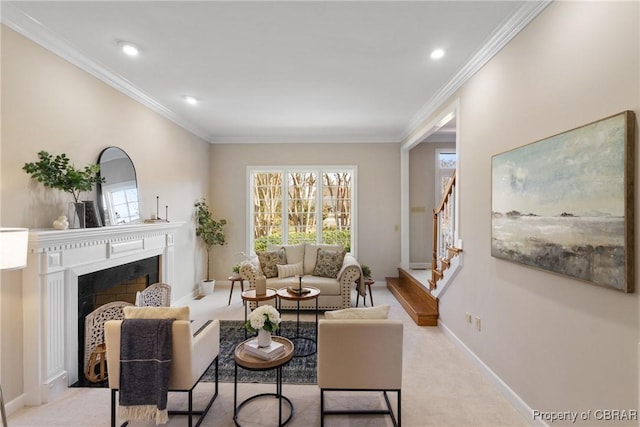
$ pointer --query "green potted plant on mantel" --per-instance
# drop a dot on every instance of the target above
(211, 232)
(57, 172)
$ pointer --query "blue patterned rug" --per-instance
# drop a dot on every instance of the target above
(300, 370)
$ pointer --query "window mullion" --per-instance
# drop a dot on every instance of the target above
(284, 223)
(319, 205)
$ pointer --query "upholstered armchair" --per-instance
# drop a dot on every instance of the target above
(191, 355)
(360, 355)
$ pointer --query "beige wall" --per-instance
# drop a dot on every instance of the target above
(560, 344)
(49, 104)
(378, 182)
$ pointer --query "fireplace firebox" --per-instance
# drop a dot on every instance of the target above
(119, 283)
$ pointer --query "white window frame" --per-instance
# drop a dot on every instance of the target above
(319, 170)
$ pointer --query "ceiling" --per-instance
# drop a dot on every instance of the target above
(280, 71)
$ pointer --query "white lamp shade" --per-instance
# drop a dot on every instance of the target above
(13, 247)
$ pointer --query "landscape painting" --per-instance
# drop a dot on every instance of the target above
(565, 203)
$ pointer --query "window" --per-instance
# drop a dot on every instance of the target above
(445, 167)
(301, 204)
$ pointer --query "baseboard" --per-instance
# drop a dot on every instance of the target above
(419, 265)
(15, 405)
(513, 398)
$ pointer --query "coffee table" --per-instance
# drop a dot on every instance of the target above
(252, 363)
(283, 293)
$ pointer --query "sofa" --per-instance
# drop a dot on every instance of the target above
(326, 267)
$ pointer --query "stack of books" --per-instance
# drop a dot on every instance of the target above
(274, 350)
(298, 291)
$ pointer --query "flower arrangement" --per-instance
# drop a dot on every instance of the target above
(264, 317)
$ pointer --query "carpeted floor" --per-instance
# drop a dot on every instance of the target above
(300, 370)
(441, 387)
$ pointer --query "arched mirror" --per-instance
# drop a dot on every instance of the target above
(118, 194)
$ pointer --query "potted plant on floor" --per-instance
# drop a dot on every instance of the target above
(57, 172)
(366, 271)
(211, 232)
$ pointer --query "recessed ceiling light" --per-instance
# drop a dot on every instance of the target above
(437, 54)
(192, 100)
(129, 48)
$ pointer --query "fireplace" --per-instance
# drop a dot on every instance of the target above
(53, 290)
(119, 283)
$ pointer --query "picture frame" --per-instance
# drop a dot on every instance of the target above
(565, 204)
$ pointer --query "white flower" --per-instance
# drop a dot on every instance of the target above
(264, 317)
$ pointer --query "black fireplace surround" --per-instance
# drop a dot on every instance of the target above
(92, 283)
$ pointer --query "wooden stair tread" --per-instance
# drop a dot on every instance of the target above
(415, 298)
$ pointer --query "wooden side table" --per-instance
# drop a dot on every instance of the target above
(233, 279)
(283, 293)
(250, 296)
(252, 363)
(367, 282)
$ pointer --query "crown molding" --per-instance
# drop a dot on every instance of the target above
(40, 34)
(32, 29)
(302, 139)
(511, 27)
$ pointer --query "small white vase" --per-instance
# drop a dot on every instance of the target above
(264, 338)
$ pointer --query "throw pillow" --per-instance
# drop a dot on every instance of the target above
(311, 255)
(269, 261)
(289, 270)
(328, 263)
(178, 313)
(294, 253)
(379, 312)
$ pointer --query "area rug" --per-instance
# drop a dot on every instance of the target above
(300, 370)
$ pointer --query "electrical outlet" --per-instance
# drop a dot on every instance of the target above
(478, 324)
(467, 317)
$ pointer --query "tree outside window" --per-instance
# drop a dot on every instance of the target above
(302, 192)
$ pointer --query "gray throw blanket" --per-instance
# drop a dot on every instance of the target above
(145, 358)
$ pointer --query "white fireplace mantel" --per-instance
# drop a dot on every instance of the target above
(50, 293)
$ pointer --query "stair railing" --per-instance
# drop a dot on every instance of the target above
(443, 233)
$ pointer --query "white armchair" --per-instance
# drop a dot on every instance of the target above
(191, 356)
(360, 355)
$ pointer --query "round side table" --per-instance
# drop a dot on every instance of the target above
(367, 283)
(284, 293)
(252, 363)
(233, 279)
(250, 296)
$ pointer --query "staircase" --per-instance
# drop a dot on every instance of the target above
(415, 298)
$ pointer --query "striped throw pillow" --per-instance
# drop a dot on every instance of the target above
(289, 270)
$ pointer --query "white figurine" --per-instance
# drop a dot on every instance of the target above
(61, 223)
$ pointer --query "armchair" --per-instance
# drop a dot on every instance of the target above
(360, 355)
(191, 356)
(155, 295)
